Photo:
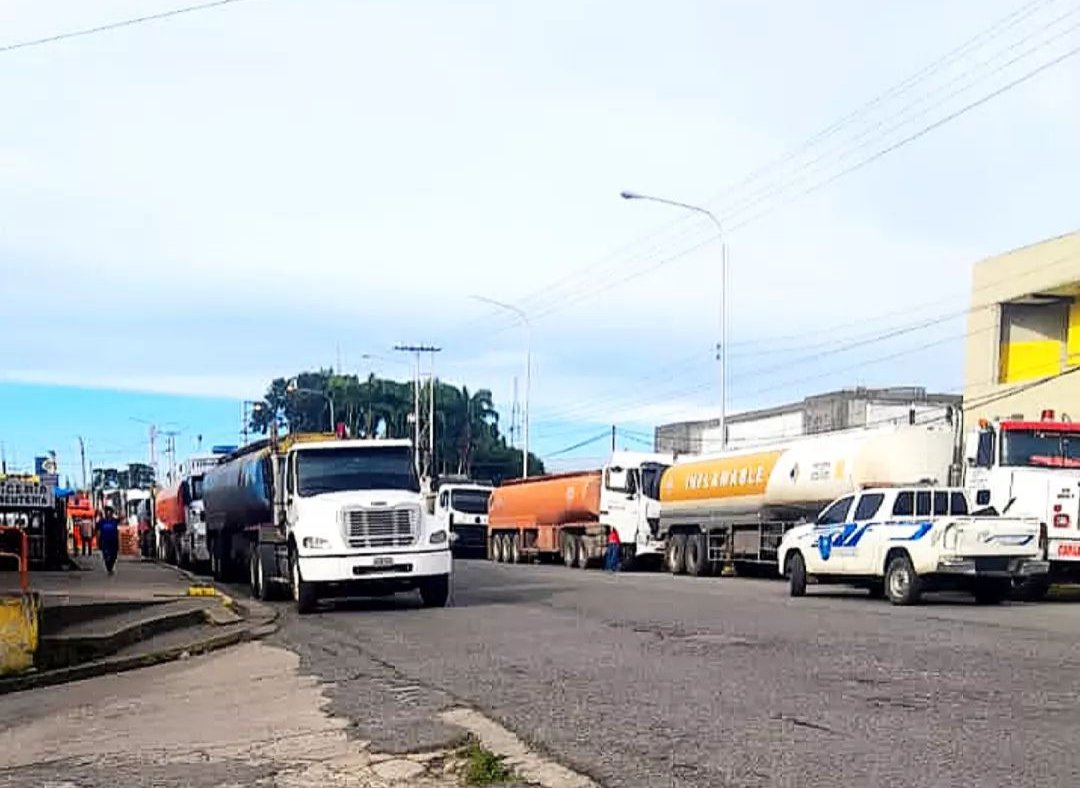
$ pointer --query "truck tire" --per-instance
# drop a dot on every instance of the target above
(435, 591)
(581, 552)
(696, 557)
(675, 555)
(255, 580)
(991, 591)
(796, 571)
(569, 551)
(1033, 589)
(497, 548)
(902, 585)
(304, 594)
(215, 561)
(513, 550)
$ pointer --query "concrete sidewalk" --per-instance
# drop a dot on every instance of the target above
(92, 623)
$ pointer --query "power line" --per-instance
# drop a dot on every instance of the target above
(138, 20)
(602, 436)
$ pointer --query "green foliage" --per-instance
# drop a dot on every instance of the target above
(467, 436)
(482, 766)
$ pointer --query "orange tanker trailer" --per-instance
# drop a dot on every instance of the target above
(547, 517)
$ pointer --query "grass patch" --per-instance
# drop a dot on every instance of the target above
(482, 766)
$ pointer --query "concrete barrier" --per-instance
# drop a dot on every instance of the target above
(20, 616)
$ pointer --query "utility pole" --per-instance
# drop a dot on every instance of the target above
(423, 434)
(82, 459)
(514, 412)
(612, 438)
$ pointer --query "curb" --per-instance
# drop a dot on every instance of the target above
(263, 623)
(107, 666)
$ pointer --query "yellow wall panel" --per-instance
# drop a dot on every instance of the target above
(1022, 361)
(1073, 337)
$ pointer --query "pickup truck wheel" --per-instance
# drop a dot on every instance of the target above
(1033, 589)
(695, 557)
(569, 551)
(435, 591)
(903, 586)
(796, 571)
(304, 594)
(675, 555)
(991, 591)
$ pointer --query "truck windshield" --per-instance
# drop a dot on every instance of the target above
(195, 484)
(1040, 449)
(361, 468)
(469, 501)
(650, 479)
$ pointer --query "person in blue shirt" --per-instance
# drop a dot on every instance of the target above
(108, 534)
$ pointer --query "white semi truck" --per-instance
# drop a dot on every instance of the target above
(461, 507)
(325, 517)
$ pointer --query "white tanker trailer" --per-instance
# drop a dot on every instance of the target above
(734, 507)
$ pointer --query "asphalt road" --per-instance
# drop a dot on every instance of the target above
(653, 680)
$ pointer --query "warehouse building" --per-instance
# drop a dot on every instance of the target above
(1023, 335)
(836, 410)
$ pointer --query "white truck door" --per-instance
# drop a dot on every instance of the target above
(825, 555)
(864, 536)
(618, 503)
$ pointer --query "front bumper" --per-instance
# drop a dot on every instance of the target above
(365, 566)
(993, 567)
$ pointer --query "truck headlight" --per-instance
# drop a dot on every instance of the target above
(315, 543)
(438, 537)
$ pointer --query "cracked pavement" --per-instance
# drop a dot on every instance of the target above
(652, 680)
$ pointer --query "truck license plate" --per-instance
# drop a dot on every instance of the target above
(382, 561)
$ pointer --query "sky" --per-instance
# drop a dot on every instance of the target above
(195, 205)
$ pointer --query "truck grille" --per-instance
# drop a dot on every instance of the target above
(367, 528)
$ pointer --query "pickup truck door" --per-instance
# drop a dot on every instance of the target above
(827, 554)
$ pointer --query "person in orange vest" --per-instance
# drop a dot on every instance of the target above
(613, 557)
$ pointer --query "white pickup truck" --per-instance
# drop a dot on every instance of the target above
(901, 542)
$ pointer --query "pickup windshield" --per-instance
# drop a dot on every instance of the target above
(1040, 449)
(342, 470)
(469, 501)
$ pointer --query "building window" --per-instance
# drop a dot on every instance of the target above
(1038, 340)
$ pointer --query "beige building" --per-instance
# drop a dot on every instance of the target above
(1023, 336)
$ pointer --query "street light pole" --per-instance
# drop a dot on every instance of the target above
(528, 370)
(722, 348)
(295, 389)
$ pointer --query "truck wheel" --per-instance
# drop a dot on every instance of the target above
(1033, 589)
(676, 554)
(569, 551)
(991, 591)
(695, 558)
(435, 591)
(513, 551)
(215, 561)
(497, 548)
(581, 550)
(304, 594)
(903, 586)
(796, 570)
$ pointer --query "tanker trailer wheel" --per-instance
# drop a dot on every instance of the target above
(796, 572)
(255, 577)
(569, 551)
(513, 550)
(497, 554)
(675, 555)
(696, 556)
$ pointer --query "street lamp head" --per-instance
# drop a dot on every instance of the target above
(630, 195)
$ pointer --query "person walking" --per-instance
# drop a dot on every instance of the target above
(108, 536)
(613, 556)
(86, 535)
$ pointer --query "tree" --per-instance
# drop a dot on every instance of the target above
(467, 434)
